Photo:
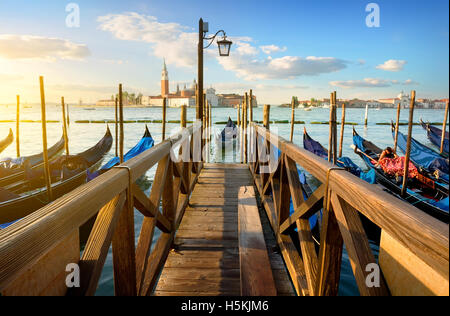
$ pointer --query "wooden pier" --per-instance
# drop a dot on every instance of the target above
(213, 238)
(205, 258)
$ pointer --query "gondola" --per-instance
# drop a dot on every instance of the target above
(429, 162)
(419, 194)
(145, 143)
(13, 170)
(6, 141)
(316, 148)
(435, 136)
(228, 137)
(72, 173)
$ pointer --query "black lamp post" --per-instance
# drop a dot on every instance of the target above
(224, 50)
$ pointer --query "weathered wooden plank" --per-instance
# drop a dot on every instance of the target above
(330, 255)
(97, 246)
(124, 254)
(357, 246)
(307, 245)
(47, 276)
(256, 273)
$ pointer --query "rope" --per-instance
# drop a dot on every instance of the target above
(129, 192)
(326, 204)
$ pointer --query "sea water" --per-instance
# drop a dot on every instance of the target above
(84, 135)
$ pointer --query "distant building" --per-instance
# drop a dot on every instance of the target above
(110, 102)
(233, 99)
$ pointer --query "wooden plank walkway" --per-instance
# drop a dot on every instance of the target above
(205, 261)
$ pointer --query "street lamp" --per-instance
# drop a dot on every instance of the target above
(224, 50)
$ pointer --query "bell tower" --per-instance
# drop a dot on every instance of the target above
(164, 81)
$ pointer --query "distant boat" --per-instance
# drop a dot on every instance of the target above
(228, 136)
(325, 106)
(307, 109)
(434, 135)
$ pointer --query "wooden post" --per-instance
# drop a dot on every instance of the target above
(444, 127)
(334, 128)
(200, 102)
(342, 129)
(330, 136)
(66, 137)
(116, 105)
(366, 117)
(44, 142)
(251, 105)
(408, 143)
(68, 117)
(164, 119)
(266, 116)
(245, 128)
(17, 127)
(292, 119)
(396, 128)
(241, 134)
(239, 115)
(183, 116)
(121, 124)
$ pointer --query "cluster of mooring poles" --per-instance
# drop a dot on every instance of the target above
(243, 121)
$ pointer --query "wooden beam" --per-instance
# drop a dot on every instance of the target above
(307, 245)
(408, 144)
(444, 127)
(97, 246)
(256, 273)
(357, 246)
(330, 255)
(306, 209)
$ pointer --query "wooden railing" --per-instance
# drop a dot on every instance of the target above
(414, 248)
(35, 252)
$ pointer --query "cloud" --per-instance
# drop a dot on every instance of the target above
(178, 45)
(365, 83)
(168, 40)
(38, 47)
(410, 82)
(361, 62)
(287, 67)
(392, 65)
(269, 49)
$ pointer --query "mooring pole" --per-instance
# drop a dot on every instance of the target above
(334, 128)
(17, 127)
(116, 112)
(241, 134)
(239, 115)
(366, 117)
(121, 124)
(164, 119)
(66, 137)
(444, 127)
(245, 129)
(44, 142)
(330, 136)
(266, 116)
(342, 130)
(397, 125)
(251, 105)
(292, 119)
(68, 118)
(408, 143)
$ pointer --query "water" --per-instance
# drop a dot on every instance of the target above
(83, 136)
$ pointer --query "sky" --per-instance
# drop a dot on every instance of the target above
(280, 48)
